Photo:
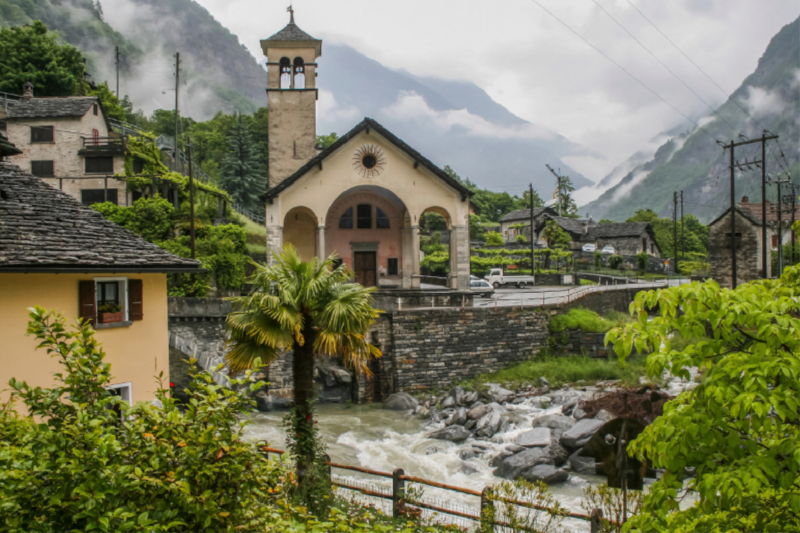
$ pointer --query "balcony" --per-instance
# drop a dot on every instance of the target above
(103, 145)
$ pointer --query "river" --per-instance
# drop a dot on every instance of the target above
(383, 440)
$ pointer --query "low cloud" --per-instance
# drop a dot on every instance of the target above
(329, 109)
(625, 188)
(761, 103)
(412, 107)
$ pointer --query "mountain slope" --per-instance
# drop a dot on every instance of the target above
(454, 123)
(771, 96)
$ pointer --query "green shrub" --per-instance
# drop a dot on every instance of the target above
(73, 464)
(494, 239)
(586, 320)
(521, 239)
(615, 261)
(642, 260)
(587, 282)
(598, 259)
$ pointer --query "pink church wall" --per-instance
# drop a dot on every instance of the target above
(391, 240)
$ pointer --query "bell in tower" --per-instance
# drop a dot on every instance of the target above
(292, 98)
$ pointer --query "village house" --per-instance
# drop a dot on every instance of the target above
(789, 212)
(747, 242)
(362, 197)
(68, 142)
(576, 228)
(627, 238)
(518, 222)
(66, 257)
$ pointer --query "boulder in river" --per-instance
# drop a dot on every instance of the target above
(460, 416)
(565, 396)
(543, 382)
(544, 472)
(535, 437)
(435, 416)
(470, 398)
(488, 424)
(582, 465)
(457, 394)
(263, 402)
(467, 453)
(513, 466)
(604, 415)
(558, 423)
(400, 401)
(500, 395)
(452, 433)
(470, 424)
(579, 414)
(581, 432)
(447, 402)
(479, 412)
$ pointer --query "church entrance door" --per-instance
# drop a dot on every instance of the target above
(364, 268)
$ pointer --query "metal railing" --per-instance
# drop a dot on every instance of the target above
(252, 215)
(125, 128)
(406, 503)
(8, 100)
(104, 143)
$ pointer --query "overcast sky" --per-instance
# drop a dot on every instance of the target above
(530, 63)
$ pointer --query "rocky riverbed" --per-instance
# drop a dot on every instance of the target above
(534, 432)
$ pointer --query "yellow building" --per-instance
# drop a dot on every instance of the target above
(362, 197)
(61, 255)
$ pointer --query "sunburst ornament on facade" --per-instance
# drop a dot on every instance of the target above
(369, 161)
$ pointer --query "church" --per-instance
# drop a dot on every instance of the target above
(360, 198)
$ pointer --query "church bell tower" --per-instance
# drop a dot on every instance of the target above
(292, 95)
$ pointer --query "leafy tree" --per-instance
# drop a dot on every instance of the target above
(326, 140)
(607, 221)
(308, 308)
(740, 427)
(565, 204)
(555, 236)
(111, 104)
(494, 239)
(259, 130)
(474, 227)
(521, 239)
(32, 53)
(82, 459)
(526, 199)
(241, 173)
(695, 239)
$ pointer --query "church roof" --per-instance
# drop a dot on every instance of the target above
(291, 32)
(366, 124)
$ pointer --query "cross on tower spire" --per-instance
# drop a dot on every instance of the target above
(291, 14)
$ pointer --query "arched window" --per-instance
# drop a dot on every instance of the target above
(286, 73)
(299, 73)
(381, 220)
(364, 216)
(346, 222)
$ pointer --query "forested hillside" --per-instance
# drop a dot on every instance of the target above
(767, 99)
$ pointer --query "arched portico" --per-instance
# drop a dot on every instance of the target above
(300, 229)
(453, 239)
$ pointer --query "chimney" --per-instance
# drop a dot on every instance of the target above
(27, 90)
(745, 199)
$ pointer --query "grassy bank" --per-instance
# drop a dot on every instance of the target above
(588, 321)
(563, 370)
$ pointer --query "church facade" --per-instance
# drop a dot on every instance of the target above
(361, 198)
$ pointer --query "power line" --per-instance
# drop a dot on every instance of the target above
(640, 82)
(665, 66)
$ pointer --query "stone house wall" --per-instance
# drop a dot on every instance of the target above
(748, 251)
(63, 151)
(629, 245)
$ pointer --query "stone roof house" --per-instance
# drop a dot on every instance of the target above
(522, 216)
(576, 228)
(786, 217)
(747, 242)
(64, 256)
(69, 143)
(627, 238)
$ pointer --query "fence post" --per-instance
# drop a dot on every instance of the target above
(330, 473)
(487, 508)
(596, 520)
(398, 491)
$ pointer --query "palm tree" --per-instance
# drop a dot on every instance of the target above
(308, 308)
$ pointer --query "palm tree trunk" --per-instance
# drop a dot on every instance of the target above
(303, 372)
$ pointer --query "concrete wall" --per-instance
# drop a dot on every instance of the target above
(137, 352)
(748, 251)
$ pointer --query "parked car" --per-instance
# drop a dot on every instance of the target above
(608, 250)
(481, 287)
(589, 247)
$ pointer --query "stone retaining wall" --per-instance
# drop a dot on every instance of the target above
(579, 343)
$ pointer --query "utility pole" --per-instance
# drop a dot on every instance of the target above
(763, 140)
(683, 241)
(558, 186)
(116, 52)
(191, 199)
(533, 240)
(177, 112)
(675, 227)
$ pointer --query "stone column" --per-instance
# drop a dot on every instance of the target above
(407, 265)
(321, 255)
(415, 276)
(452, 276)
(274, 242)
(462, 258)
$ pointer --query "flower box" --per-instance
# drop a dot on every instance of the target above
(107, 318)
